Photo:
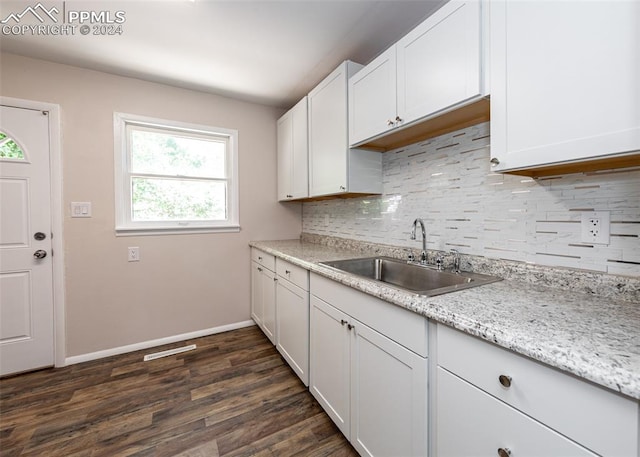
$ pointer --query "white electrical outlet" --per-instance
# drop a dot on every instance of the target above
(595, 227)
(134, 254)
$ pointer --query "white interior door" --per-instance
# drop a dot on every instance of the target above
(26, 271)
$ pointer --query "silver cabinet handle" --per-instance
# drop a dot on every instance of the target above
(349, 326)
(343, 188)
(504, 452)
(495, 161)
(505, 380)
(342, 322)
(398, 119)
(390, 123)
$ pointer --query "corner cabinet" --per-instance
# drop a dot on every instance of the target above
(505, 404)
(293, 152)
(436, 67)
(263, 292)
(369, 369)
(335, 169)
(564, 86)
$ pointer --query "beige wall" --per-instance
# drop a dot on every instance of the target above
(183, 283)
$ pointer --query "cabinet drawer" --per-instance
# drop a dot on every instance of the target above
(297, 275)
(402, 326)
(262, 258)
(598, 418)
(471, 422)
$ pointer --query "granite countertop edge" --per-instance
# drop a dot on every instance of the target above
(507, 313)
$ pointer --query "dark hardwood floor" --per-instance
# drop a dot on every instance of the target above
(232, 396)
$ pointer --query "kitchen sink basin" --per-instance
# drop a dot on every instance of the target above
(412, 277)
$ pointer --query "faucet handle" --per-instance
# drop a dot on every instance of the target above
(456, 260)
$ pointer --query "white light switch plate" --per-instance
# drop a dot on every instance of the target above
(80, 209)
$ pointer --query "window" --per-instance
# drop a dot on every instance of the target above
(9, 149)
(173, 177)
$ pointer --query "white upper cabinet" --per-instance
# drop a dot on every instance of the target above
(565, 85)
(372, 98)
(333, 168)
(439, 62)
(293, 153)
(433, 69)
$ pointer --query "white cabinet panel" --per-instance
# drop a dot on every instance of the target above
(292, 311)
(263, 292)
(564, 81)
(374, 389)
(293, 153)
(595, 417)
(388, 396)
(372, 98)
(335, 169)
(330, 362)
(470, 422)
(439, 61)
(435, 68)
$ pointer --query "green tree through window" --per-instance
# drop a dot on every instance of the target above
(9, 149)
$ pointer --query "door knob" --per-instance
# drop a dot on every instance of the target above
(39, 236)
(40, 254)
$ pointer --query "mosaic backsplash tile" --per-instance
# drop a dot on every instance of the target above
(448, 182)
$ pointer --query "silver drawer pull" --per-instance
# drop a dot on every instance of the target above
(342, 321)
(504, 452)
(505, 380)
(287, 272)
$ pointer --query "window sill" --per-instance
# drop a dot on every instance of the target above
(146, 231)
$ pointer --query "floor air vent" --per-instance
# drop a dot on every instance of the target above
(157, 355)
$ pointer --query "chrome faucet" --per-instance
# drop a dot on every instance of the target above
(423, 255)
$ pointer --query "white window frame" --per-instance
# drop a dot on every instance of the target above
(124, 224)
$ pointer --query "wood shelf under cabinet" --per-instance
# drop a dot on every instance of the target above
(584, 166)
(456, 119)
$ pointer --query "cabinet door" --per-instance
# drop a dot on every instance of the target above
(439, 61)
(471, 422)
(269, 304)
(300, 153)
(329, 362)
(284, 133)
(388, 396)
(372, 98)
(293, 152)
(564, 81)
(328, 136)
(292, 313)
(257, 306)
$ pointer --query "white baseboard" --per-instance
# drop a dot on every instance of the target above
(153, 343)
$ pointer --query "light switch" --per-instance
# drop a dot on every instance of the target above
(80, 209)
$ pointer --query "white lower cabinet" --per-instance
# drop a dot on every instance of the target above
(372, 387)
(292, 316)
(470, 422)
(490, 398)
(263, 292)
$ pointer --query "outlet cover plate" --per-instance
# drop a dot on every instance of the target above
(595, 227)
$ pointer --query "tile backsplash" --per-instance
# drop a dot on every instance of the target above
(447, 181)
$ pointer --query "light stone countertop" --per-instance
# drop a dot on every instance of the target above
(593, 337)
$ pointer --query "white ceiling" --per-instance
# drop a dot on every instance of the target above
(269, 52)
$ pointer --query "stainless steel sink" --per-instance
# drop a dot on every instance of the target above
(419, 279)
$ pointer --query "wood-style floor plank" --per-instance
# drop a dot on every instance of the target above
(233, 396)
